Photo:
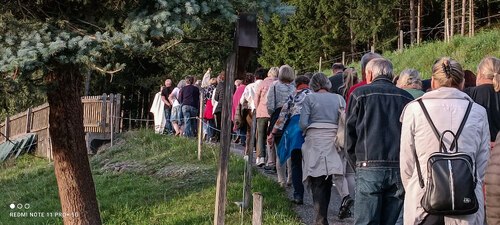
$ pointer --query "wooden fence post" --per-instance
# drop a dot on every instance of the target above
(111, 116)
(225, 141)
(28, 120)
(247, 182)
(200, 126)
(320, 59)
(257, 209)
(6, 131)
(103, 112)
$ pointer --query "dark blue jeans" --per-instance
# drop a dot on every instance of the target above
(190, 123)
(298, 186)
(168, 125)
(379, 195)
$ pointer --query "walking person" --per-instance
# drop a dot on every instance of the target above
(247, 98)
(290, 146)
(263, 116)
(337, 79)
(410, 81)
(189, 97)
(218, 97)
(492, 183)
(372, 142)
(277, 96)
(321, 162)
(487, 92)
(165, 92)
(447, 108)
(176, 117)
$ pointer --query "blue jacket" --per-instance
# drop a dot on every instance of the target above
(373, 129)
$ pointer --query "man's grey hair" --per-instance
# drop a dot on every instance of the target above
(410, 78)
(286, 74)
(380, 67)
(367, 58)
(320, 81)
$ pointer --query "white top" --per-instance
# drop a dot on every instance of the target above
(249, 94)
(175, 93)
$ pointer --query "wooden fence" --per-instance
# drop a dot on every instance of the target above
(101, 115)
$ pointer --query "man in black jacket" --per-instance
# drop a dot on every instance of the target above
(337, 79)
(372, 141)
(189, 97)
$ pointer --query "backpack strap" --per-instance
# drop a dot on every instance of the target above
(457, 135)
(427, 116)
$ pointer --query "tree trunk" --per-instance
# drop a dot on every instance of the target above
(452, 18)
(419, 21)
(412, 21)
(71, 165)
(472, 22)
(462, 30)
(446, 27)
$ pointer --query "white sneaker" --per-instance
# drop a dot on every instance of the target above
(260, 161)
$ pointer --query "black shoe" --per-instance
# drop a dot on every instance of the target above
(298, 201)
(345, 207)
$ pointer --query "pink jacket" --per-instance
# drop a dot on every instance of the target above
(261, 97)
(236, 99)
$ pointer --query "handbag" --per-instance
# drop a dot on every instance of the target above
(451, 175)
(340, 139)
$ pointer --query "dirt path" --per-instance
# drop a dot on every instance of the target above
(306, 211)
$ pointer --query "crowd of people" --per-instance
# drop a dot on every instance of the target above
(369, 137)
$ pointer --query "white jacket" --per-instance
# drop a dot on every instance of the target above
(159, 113)
(446, 107)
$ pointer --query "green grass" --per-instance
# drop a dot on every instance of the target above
(164, 184)
(467, 51)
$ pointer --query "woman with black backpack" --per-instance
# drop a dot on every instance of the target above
(445, 144)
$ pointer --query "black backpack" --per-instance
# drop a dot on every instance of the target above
(451, 176)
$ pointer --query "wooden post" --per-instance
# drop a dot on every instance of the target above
(343, 58)
(401, 41)
(111, 116)
(257, 209)
(200, 126)
(472, 18)
(373, 49)
(103, 112)
(319, 69)
(118, 119)
(6, 131)
(28, 120)
(225, 144)
(247, 181)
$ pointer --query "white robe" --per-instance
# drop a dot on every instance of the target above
(159, 113)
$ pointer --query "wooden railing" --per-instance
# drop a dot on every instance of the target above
(100, 113)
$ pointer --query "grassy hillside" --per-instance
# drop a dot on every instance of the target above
(144, 179)
(467, 51)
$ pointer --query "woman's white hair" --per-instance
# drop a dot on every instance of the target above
(410, 78)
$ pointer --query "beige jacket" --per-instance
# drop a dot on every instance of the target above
(492, 181)
(320, 155)
(446, 107)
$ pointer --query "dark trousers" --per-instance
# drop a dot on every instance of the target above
(321, 188)
(261, 136)
(218, 122)
(298, 186)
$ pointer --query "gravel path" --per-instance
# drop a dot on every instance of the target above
(306, 211)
